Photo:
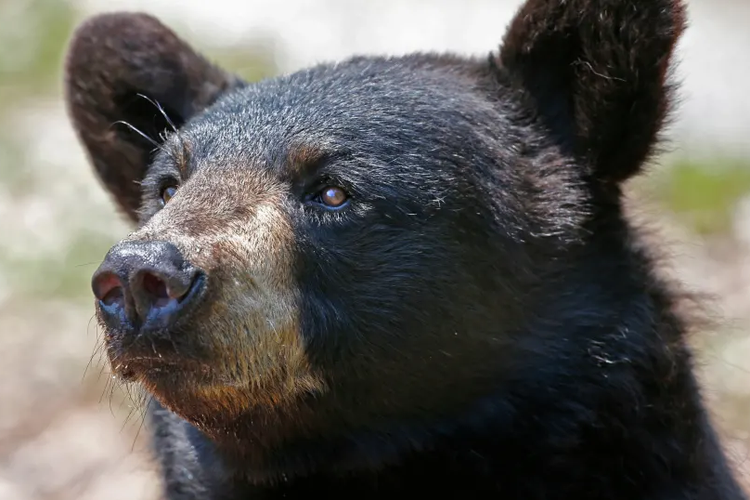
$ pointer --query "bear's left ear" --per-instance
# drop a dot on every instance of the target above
(119, 66)
(595, 73)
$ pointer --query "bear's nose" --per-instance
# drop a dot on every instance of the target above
(144, 284)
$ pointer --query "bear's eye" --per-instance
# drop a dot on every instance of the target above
(332, 197)
(167, 193)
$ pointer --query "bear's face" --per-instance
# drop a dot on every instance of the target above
(345, 245)
(364, 243)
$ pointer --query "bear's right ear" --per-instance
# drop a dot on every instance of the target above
(113, 61)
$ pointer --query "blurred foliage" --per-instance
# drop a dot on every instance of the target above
(253, 63)
(33, 38)
(11, 156)
(66, 275)
(702, 193)
(33, 45)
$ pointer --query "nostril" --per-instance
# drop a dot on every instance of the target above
(156, 288)
(108, 289)
(114, 296)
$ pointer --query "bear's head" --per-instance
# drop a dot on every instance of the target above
(355, 249)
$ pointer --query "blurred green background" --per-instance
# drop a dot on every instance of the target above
(67, 432)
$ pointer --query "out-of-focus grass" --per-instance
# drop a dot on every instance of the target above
(703, 194)
(11, 156)
(32, 42)
(33, 45)
(66, 275)
(251, 63)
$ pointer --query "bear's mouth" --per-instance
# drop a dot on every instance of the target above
(161, 359)
(148, 367)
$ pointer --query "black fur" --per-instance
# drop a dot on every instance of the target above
(482, 308)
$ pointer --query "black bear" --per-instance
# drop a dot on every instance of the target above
(398, 275)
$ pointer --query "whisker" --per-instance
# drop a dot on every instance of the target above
(128, 418)
(135, 129)
(138, 432)
(161, 110)
(91, 360)
(104, 389)
(112, 388)
(163, 135)
(85, 264)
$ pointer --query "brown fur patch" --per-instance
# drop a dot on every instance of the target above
(302, 157)
(236, 230)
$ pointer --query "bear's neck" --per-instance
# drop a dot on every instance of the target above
(618, 426)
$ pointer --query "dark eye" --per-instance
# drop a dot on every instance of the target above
(332, 197)
(167, 193)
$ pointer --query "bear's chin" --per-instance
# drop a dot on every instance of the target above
(132, 361)
(221, 406)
